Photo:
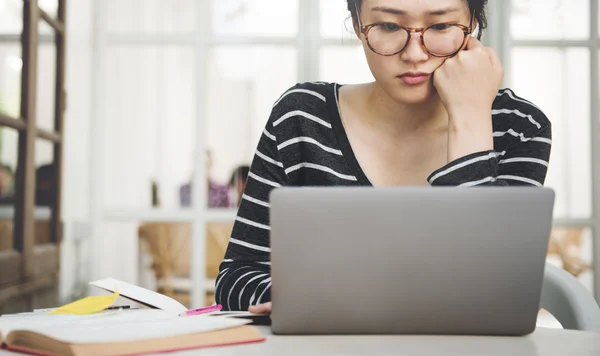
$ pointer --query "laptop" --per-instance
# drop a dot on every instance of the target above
(408, 260)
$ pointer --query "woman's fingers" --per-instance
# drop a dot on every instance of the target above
(260, 308)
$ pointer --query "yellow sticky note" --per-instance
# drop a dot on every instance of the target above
(87, 305)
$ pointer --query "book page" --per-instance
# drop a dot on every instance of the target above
(132, 326)
(43, 321)
(236, 314)
(141, 295)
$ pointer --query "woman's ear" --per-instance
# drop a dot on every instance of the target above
(475, 32)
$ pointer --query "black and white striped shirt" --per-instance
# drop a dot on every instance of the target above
(304, 144)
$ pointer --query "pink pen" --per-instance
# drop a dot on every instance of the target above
(205, 310)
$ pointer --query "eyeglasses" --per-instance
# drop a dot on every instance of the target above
(439, 40)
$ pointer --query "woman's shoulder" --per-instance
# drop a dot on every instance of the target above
(305, 92)
(317, 86)
(512, 111)
(311, 100)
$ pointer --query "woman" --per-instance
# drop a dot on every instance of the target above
(434, 116)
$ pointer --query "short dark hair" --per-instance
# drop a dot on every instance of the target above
(239, 174)
(477, 8)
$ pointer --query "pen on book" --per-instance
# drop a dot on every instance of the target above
(114, 307)
(120, 307)
(205, 310)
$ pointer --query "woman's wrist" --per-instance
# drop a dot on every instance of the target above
(469, 132)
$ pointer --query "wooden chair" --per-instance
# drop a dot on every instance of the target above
(169, 245)
(6, 235)
(42, 233)
(566, 243)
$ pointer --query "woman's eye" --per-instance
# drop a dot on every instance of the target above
(389, 27)
(441, 27)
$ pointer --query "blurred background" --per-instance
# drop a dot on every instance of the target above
(133, 104)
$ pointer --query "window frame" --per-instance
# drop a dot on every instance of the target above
(202, 41)
(30, 268)
(504, 43)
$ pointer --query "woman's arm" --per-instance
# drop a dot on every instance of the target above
(468, 87)
(524, 163)
(245, 273)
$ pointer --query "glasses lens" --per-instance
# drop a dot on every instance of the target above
(387, 39)
(443, 39)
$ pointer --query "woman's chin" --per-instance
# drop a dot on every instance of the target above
(414, 95)
(403, 93)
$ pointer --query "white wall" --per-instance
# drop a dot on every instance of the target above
(77, 160)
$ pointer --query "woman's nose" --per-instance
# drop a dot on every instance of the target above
(414, 51)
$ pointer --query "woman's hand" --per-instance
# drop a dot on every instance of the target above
(469, 81)
(261, 308)
(468, 84)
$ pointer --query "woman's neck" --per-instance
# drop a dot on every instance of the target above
(400, 118)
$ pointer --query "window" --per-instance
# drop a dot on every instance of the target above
(185, 91)
(151, 16)
(254, 18)
(32, 101)
(550, 20)
(252, 77)
(150, 117)
(185, 94)
(552, 59)
(341, 56)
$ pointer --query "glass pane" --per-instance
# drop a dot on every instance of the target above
(11, 16)
(344, 65)
(270, 18)
(567, 105)
(50, 7)
(150, 125)
(11, 65)
(45, 189)
(9, 155)
(121, 243)
(47, 33)
(252, 77)
(336, 22)
(550, 19)
(46, 88)
(151, 16)
(571, 248)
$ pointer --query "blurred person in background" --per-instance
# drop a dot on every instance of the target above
(45, 185)
(218, 194)
(238, 182)
(434, 116)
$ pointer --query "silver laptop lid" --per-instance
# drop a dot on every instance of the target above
(408, 260)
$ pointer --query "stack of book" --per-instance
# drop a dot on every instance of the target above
(164, 326)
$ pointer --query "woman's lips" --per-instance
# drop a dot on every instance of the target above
(414, 79)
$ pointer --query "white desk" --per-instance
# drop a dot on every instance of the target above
(543, 342)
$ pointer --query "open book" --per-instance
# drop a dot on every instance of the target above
(161, 328)
(122, 332)
(140, 295)
(155, 300)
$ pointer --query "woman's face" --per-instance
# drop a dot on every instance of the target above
(393, 73)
